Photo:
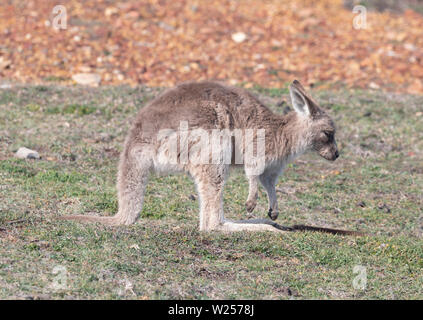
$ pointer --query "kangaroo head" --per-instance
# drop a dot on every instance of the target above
(319, 127)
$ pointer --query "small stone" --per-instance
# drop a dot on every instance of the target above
(239, 37)
(5, 86)
(87, 79)
(110, 11)
(25, 153)
(410, 47)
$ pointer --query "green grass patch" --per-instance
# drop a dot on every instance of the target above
(375, 187)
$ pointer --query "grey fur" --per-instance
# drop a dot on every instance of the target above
(211, 105)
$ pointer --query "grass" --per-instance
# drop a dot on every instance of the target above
(375, 187)
(392, 6)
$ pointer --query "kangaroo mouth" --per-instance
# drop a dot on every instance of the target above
(330, 157)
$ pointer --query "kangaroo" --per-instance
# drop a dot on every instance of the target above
(211, 106)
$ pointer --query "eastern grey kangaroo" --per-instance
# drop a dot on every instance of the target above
(213, 106)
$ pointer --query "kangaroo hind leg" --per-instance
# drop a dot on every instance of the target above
(134, 169)
(210, 181)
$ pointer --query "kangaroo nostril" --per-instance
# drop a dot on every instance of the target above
(336, 154)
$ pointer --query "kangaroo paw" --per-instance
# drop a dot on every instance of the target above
(272, 214)
(250, 205)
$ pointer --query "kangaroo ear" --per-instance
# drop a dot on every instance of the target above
(301, 101)
(298, 100)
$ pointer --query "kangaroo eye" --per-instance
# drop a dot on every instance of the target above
(328, 135)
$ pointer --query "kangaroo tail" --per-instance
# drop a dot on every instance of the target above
(265, 221)
(301, 227)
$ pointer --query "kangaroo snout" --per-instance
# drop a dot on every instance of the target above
(334, 156)
(329, 154)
